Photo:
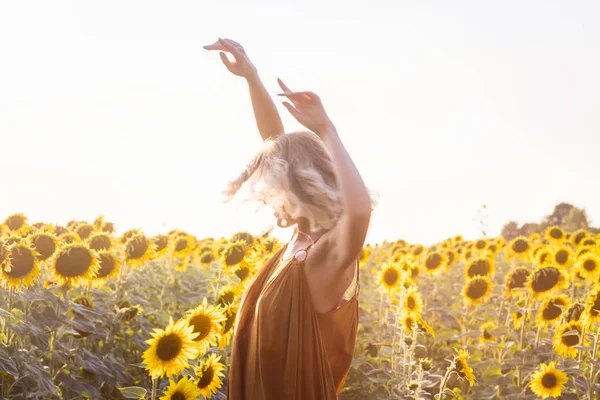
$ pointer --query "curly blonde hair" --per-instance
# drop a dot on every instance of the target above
(294, 174)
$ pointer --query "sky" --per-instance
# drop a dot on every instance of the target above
(113, 108)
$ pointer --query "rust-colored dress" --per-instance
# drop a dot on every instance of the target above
(283, 349)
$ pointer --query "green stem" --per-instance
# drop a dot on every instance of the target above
(521, 337)
(445, 380)
(594, 353)
(154, 388)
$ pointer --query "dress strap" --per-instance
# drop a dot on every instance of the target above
(357, 290)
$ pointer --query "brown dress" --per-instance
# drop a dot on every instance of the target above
(283, 349)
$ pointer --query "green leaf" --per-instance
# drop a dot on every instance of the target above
(5, 313)
(133, 392)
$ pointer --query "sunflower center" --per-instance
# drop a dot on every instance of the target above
(450, 257)
(107, 265)
(459, 368)
(161, 242)
(589, 242)
(520, 246)
(561, 257)
(493, 248)
(181, 244)
(235, 254)
(73, 262)
(243, 273)
(486, 335)
(178, 396)
(479, 267)
(15, 222)
(480, 244)
(545, 279)
(518, 278)
(433, 261)
(169, 347)
(226, 298)
(411, 303)
(207, 377)
(207, 257)
(418, 250)
(137, 247)
(202, 325)
(596, 307)
(390, 277)
(100, 242)
(549, 381)
(575, 311)
(45, 246)
(556, 233)
(477, 289)
(571, 340)
(589, 265)
(552, 310)
(578, 237)
(84, 231)
(543, 256)
(21, 262)
(229, 323)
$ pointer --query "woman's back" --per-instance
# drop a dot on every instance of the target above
(283, 348)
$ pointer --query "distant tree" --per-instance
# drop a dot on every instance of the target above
(510, 230)
(576, 219)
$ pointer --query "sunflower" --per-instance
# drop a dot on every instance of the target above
(480, 244)
(591, 313)
(413, 301)
(551, 310)
(588, 266)
(567, 336)
(109, 266)
(161, 243)
(84, 231)
(482, 266)
(452, 257)
(578, 236)
(390, 277)
(69, 238)
(17, 224)
(574, 313)
(417, 250)
(128, 235)
(228, 326)
(477, 290)
(548, 381)
(562, 256)
(138, 250)
(414, 320)
(182, 245)
(210, 375)
(20, 266)
(435, 263)
(228, 295)
(45, 244)
(75, 264)
(542, 254)
(588, 242)
(207, 323)
(184, 389)
(545, 281)
(170, 349)
(461, 366)
(516, 280)
(519, 248)
(485, 328)
(555, 234)
(207, 257)
(100, 241)
(234, 253)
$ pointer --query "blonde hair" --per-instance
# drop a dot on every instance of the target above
(294, 174)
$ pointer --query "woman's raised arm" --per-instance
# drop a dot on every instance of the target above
(266, 114)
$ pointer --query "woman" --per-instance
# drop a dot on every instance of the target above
(295, 333)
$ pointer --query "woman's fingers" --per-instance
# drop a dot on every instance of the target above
(231, 48)
(295, 113)
(215, 46)
(226, 61)
(283, 86)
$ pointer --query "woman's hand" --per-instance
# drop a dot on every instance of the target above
(308, 109)
(241, 65)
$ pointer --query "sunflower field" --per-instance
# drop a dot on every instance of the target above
(89, 314)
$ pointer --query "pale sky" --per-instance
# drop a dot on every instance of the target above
(113, 108)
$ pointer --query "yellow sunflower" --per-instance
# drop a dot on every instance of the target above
(546, 280)
(161, 243)
(100, 241)
(138, 250)
(548, 381)
(485, 328)
(482, 266)
(562, 256)
(591, 313)
(20, 267)
(452, 257)
(170, 349)
(588, 266)
(415, 320)
(390, 277)
(555, 234)
(207, 258)
(480, 244)
(182, 245)
(477, 290)
(69, 238)
(207, 323)
(228, 295)
(184, 389)
(210, 375)
(462, 367)
(234, 253)
(417, 250)
(45, 244)
(128, 235)
(542, 255)
(84, 231)
(578, 236)
(574, 313)
(515, 281)
(567, 336)
(16, 224)
(109, 266)
(519, 248)
(413, 301)
(551, 310)
(228, 326)
(75, 264)
(435, 263)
